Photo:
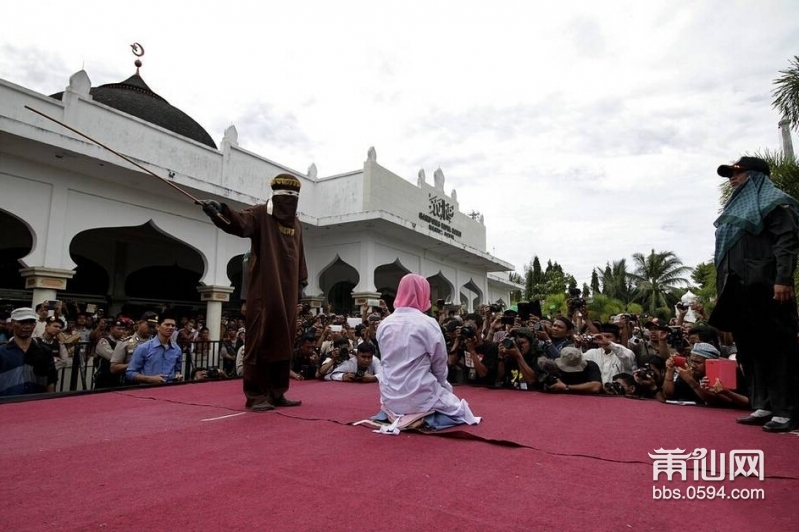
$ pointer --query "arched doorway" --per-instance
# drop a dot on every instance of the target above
(16, 242)
(337, 282)
(146, 270)
(440, 288)
(387, 278)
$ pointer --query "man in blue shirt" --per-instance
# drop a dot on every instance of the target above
(159, 359)
(25, 366)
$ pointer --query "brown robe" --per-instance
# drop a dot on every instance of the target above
(277, 273)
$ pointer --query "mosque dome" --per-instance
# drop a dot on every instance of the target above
(135, 98)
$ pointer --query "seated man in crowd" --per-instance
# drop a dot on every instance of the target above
(159, 359)
(691, 383)
(25, 366)
(364, 367)
(338, 354)
(649, 377)
(570, 373)
(611, 357)
(479, 356)
(305, 361)
(556, 336)
(517, 359)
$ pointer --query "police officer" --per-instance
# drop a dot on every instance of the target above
(125, 347)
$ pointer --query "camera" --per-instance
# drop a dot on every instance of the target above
(615, 388)
(495, 308)
(588, 338)
(440, 303)
(343, 352)
(682, 306)
(509, 342)
(644, 374)
(467, 331)
(360, 373)
(213, 373)
(547, 379)
(538, 326)
(675, 338)
(306, 308)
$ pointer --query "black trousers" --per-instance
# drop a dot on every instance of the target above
(765, 334)
(266, 381)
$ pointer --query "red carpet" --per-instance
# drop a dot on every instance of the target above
(166, 459)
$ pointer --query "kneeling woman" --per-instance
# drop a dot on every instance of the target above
(414, 361)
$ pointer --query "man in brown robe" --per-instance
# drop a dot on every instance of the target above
(277, 274)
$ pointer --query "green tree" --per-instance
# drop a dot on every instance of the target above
(656, 276)
(595, 283)
(786, 93)
(534, 289)
(515, 295)
(616, 281)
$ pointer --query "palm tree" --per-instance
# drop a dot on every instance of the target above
(786, 93)
(616, 281)
(656, 276)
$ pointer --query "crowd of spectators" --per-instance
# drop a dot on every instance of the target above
(626, 355)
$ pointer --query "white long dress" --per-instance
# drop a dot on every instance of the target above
(414, 361)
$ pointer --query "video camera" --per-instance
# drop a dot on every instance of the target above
(509, 342)
(575, 300)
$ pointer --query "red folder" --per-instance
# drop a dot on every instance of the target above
(723, 370)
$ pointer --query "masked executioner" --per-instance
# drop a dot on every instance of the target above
(277, 274)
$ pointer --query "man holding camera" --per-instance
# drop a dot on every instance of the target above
(756, 253)
(364, 367)
(611, 357)
(517, 356)
(338, 354)
(570, 373)
(305, 362)
(479, 356)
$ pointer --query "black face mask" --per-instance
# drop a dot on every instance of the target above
(284, 209)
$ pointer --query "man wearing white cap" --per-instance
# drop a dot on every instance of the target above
(25, 367)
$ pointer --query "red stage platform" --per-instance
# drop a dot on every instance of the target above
(189, 457)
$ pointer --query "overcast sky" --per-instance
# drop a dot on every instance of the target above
(583, 131)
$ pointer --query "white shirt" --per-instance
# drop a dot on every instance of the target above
(351, 366)
(414, 361)
(619, 360)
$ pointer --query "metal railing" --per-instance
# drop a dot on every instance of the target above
(80, 372)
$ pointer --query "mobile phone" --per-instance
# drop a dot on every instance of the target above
(679, 361)
(335, 328)
(52, 305)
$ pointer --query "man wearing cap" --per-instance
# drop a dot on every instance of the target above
(573, 373)
(277, 274)
(755, 257)
(25, 366)
(125, 347)
(103, 378)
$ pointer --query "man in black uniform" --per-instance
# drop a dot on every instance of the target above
(756, 252)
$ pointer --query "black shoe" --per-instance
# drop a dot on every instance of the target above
(262, 406)
(282, 401)
(753, 420)
(773, 426)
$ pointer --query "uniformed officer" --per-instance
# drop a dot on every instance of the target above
(126, 346)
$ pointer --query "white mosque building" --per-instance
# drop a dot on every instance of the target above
(81, 224)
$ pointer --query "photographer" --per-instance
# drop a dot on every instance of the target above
(478, 355)
(207, 374)
(690, 371)
(570, 373)
(611, 357)
(623, 384)
(362, 368)
(338, 354)
(649, 377)
(517, 356)
(305, 361)
(555, 337)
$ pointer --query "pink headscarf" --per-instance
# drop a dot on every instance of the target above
(414, 292)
